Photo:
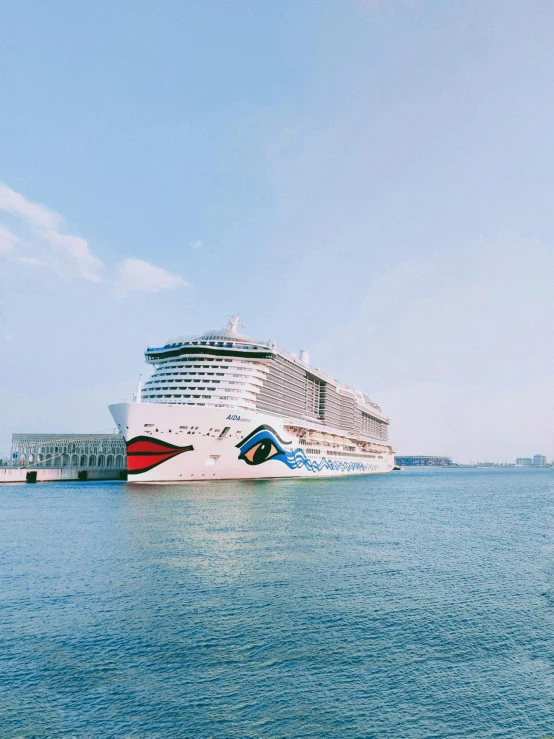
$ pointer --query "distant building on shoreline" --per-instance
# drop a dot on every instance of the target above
(68, 450)
(539, 460)
(421, 461)
(524, 462)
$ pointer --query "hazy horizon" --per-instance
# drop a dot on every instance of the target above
(371, 181)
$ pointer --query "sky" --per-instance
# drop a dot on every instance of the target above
(371, 180)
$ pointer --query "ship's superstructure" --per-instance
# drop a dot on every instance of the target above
(289, 418)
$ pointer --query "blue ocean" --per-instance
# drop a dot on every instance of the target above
(413, 605)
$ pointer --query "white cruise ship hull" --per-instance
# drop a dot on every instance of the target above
(184, 443)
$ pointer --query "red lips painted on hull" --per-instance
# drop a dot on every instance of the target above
(144, 453)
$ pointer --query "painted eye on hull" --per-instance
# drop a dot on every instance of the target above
(260, 452)
(261, 445)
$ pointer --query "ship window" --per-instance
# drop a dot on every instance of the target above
(224, 433)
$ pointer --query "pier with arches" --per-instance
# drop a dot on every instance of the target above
(82, 451)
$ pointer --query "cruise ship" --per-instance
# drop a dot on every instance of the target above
(224, 406)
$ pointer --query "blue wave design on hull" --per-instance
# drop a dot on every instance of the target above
(296, 459)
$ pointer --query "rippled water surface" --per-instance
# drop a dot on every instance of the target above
(418, 604)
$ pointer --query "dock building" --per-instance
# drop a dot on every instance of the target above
(68, 450)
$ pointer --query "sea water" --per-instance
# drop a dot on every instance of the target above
(411, 605)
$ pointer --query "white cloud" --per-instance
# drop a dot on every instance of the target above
(138, 275)
(7, 241)
(33, 262)
(195, 244)
(40, 241)
(76, 248)
(33, 213)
